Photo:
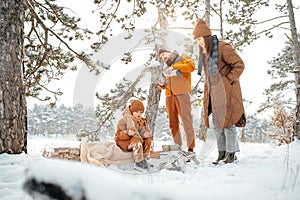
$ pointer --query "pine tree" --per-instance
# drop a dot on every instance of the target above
(281, 72)
(242, 14)
(13, 128)
(283, 121)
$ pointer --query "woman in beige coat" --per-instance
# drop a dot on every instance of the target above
(222, 91)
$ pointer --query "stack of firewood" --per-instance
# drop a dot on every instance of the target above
(68, 153)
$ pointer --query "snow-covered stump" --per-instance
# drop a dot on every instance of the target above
(44, 190)
(67, 153)
(54, 179)
(70, 180)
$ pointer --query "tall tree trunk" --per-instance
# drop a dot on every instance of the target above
(13, 122)
(221, 20)
(207, 12)
(153, 100)
(155, 92)
(202, 131)
(243, 134)
(296, 58)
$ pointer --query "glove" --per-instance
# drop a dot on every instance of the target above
(147, 134)
(131, 133)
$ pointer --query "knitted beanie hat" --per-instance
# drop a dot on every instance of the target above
(136, 105)
(161, 50)
(201, 29)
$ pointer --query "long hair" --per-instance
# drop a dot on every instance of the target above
(208, 40)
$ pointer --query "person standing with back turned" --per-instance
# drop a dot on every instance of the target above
(222, 91)
(178, 89)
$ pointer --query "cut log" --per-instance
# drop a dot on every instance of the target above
(68, 153)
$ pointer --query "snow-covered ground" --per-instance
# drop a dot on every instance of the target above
(263, 172)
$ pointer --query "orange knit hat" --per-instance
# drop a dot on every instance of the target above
(136, 105)
(201, 29)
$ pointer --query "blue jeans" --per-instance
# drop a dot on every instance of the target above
(227, 138)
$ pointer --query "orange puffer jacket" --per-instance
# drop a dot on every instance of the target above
(180, 84)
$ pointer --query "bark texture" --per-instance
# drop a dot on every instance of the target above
(296, 58)
(67, 153)
(154, 91)
(13, 122)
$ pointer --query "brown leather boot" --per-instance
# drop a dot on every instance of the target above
(230, 157)
(222, 155)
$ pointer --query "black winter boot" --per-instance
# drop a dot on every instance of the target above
(222, 155)
(230, 157)
(142, 164)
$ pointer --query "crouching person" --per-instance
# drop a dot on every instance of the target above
(133, 133)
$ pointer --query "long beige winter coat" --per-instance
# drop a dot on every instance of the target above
(225, 91)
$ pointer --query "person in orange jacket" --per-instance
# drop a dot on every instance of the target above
(133, 133)
(177, 90)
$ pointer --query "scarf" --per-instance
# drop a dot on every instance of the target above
(213, 59)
